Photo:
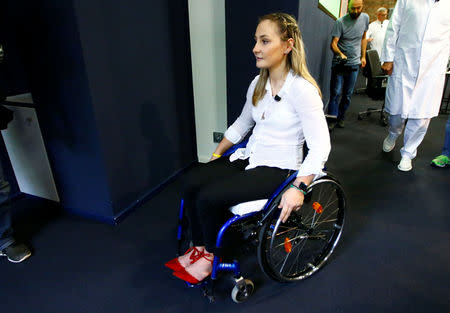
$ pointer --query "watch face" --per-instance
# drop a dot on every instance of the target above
(303, 186)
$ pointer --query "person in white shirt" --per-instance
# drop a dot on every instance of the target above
(377, 30)
(415, 54)
(285, 108)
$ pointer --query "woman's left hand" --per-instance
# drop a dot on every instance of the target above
(292, 199)
(213, 158)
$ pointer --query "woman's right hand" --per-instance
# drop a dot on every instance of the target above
(291, 200)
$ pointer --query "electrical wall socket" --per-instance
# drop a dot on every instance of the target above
(217, 136)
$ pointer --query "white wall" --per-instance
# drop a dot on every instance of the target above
(207, 31)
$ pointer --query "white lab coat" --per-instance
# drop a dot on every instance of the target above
(418, 42)
(377, 31)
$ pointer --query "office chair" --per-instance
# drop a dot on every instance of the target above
(376, 84)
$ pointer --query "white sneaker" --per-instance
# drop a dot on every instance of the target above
(405, 165)
(388, 143)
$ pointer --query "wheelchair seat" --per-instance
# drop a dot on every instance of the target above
(248, 207)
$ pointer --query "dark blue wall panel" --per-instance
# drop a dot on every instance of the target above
(137, 57)
(112, 86)
(49, 46)
(13, 78)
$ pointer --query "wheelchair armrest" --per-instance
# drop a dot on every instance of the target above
(242, 144)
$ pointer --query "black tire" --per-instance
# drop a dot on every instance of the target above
(300, 247)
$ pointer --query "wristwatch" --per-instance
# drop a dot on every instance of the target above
(303, 187)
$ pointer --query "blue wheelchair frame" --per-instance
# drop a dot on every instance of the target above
(258, 222)
(235, 266)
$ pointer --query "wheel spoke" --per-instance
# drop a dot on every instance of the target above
(320, 193)
(317, 222)
(324, 208)
(317, 236)
(326, 221)
(287, 230)
(302, 236)
(319, 201)
(288, 254)
(299, 246)
(298, 253)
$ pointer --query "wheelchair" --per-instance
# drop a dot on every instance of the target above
(286, 252)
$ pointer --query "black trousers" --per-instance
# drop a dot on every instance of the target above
(211, 188)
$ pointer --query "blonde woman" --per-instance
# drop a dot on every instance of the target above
(284, 107)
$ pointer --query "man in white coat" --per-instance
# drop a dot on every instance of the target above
(377, 30)
(415, 53)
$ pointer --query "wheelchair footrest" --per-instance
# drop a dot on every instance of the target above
(227, 267)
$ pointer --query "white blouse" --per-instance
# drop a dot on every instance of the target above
(281, 128)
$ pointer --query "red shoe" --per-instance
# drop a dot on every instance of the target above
(184, 275)
(175, 265)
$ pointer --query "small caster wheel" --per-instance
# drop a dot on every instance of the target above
(242, 292)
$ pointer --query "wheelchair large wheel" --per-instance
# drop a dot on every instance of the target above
(296, 249)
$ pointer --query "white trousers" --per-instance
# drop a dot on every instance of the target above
(415, 131)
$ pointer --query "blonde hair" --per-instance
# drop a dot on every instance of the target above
(296, 59)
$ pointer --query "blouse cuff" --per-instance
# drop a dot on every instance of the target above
(311, 169)
(232, 135)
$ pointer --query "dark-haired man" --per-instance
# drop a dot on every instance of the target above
(349, 47)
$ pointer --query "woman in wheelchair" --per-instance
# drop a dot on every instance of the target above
(284, 107)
